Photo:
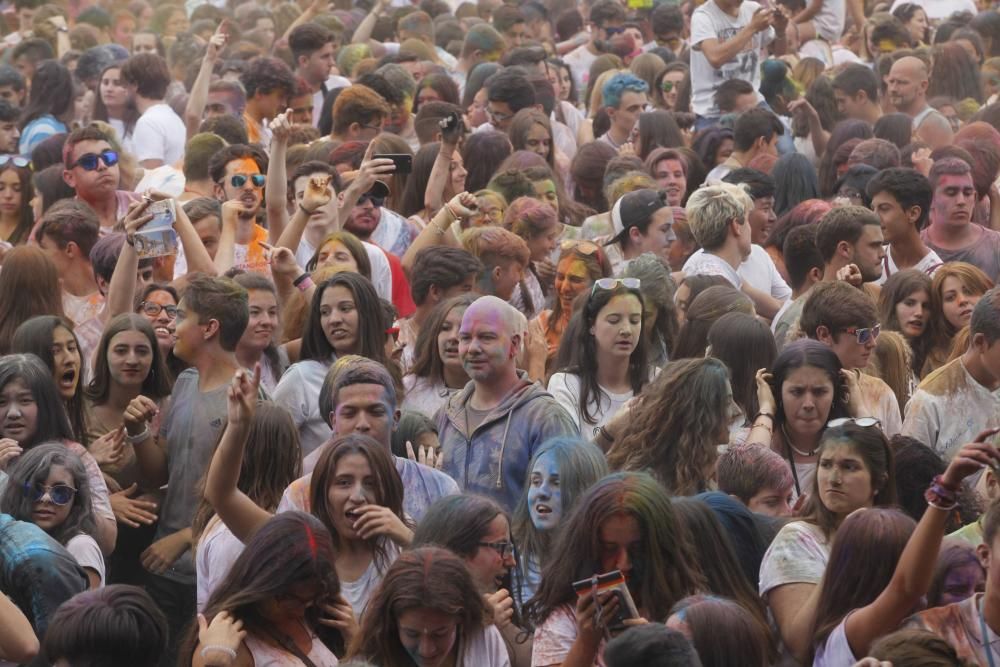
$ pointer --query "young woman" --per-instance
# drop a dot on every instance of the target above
(32, 412)
(355, 491)
(855, 470)
(49, 107)
(158, 304)
(345, 317)
(623, 514)
(272, 462)
(48, 487)
(701, 312)
(580, 264)
(659, 313)
(674, 428)
(437, 370)
(531, 130)
(657, 129)
(955, 290)
(904, 306)
(417, 429)
(29, 286)
(258, 342)
(958, 574)
(113, 106)
(436, 88)
(914, 18)
(51, 339)
(887, 561)
(669, 85)
(342, 250)
(559, 473)
(425, 194)
(16, 192)
(608, 354)
(428, 613)
(267, 610)
(745, 345)
(538, 224)
(722, 631)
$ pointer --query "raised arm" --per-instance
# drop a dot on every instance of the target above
(225, 256)
(438, 230)
(121, 289)
(718, 53)
(363, 33)
(240, 514)
(441, 170)
(276, 194)
(371, 170)
(199, 91)
(318, 193)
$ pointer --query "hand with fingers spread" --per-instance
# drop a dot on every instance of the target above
(224, 632)
(109, 449)
(338, 614)
(375, 520)
(139, 413)
(132, 511)
(425, 455)
(503, 607)
(9, 450)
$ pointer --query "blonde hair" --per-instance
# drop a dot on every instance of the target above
(892, 363)
(712, 208)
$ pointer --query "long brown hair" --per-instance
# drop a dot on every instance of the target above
(941, 330)
(29, 286)
(424, 578)
(674, 427)
(897, 288)
(427, 362)
(724, 632)
(388, 485)
(156, 385)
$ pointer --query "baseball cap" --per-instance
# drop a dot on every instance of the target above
(378, 189)
(635, 208)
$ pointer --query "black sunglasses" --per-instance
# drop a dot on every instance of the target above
(89, 161)
(376, 200)
(239, 180)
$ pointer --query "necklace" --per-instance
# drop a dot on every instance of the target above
(788, 441)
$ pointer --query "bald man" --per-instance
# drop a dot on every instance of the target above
(908, 80)
(490, 430)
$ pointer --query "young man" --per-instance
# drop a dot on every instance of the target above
(197, 153)
(901, 198)
(624, 99)
(504, 257)
(269, 84)
(28, 54)
(238, 172)
(962, 398)
(507, 91)
(668, 26)
(951, 233)
(67, 234)
(845, 319)
(756, 133)
(370, 221)
(358, 114)
(312, 49)
(641, 222)
(510, 22)
(856, 90)
(719, 219)
(13, 91)
(735, 96)
(483, 44)
(760, 187)
(159, 133)
(851, 235)
(758, 477)
(10, 134)
(211, 318)
(804, 266)
(490, 430)
(92, 170)
(606, 20)
(908, 80)
(727, 41)
(439, 273)
(358, 397)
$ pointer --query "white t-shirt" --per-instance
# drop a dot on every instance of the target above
(425, 397)
(217, 550)
(118, 125)
(798, 555)
(565, 388)
(830, 20)
(298, 392)
(159, 135)
(579, 61)
(929, 264)
(758, 269)
(554, 638)
(710, 22)
(835, 649)
(359, 592)
(84, 549)
(381, 272)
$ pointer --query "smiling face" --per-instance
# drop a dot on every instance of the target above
(487, 566)
(339, 319)
(457, 174)
(572, 279)
(542, 245)
(912, 313)
(845, 483)
(617, 327)
(957, 301)
(806, 397)
(353, 486)
(447, 339)
(164, 325)
(46, 514)
(18, 412)
(669, 175)
(130, 357)
(485, 345)
(428, 635)
(263, 320)
(66, 361)
(544, 494)
(762, 219)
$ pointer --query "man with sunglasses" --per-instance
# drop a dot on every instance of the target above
(239, 173)
(845, 319)
(606, 20)
(962, 398)
(92, 170)
(490, 429)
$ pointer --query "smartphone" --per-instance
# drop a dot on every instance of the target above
(614, 583)
(402, 161)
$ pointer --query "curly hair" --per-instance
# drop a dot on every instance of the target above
(264, 75)
(675, 425)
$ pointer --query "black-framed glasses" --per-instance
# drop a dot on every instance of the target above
(502, 548)
(153, 309)
(239, 180)
(90, 161)
(863, 422)
(612, 283)
(377, 200)
(18, 160)
(865, 335)
(377, 128)
(60, 494)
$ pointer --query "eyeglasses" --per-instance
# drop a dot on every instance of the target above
(611, 31)
(583, 247)
(497, 116)
(376, 200)
(863, 422)
(18, 161)
(667, 86)
(239, 180)
(60, 494)
(377, 128)
(89, 161)
(500, 547)
(612, 283)
(866, 335)
(154, 309)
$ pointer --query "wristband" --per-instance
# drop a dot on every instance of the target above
(948, 489)
(141, 437)
(221, 649)
(130, 239)
(301, 279)
(303, 282)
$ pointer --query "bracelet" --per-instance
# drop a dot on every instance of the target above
(454, 216)
(943, 508)
(939, 481)
(769, 429)
(141, 437)
(762, 414)
(130, 239)
(221, 649)
(304, 285)
(301, 279)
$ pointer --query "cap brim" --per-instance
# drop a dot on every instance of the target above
(378, 189)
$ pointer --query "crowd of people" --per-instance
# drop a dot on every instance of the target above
(499, 334)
